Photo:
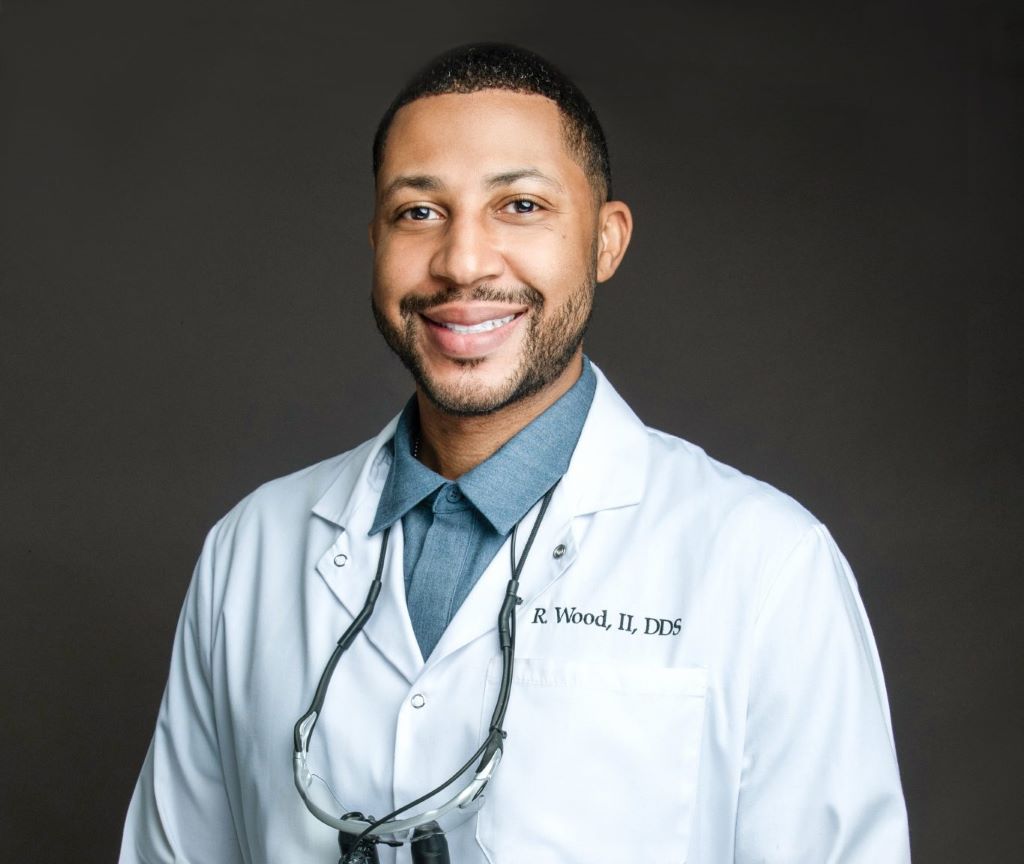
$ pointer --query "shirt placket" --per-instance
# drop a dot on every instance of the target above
(440, 568)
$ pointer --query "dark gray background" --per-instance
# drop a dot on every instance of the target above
(821, 292)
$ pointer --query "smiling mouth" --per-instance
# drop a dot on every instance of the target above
(482, 327)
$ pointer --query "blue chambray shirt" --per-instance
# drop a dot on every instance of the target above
(453, 529)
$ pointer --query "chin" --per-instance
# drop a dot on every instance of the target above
(470, 393)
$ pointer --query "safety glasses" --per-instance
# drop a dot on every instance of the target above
(442, 810)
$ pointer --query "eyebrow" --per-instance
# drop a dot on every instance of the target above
(507, 178)
(421, 182)
(432, 183)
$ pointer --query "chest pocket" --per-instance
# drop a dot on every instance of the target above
(600, 764)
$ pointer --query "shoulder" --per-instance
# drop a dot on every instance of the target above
(683, 472)
(729, 515)
(285, 504)
(672, 476)
(685, 493)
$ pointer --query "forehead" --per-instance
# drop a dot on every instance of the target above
(483, 132)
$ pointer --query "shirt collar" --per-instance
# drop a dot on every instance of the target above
(409, 481)
(505, 486)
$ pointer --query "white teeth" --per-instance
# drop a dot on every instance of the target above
(482, 327)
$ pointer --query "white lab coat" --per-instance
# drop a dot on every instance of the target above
(739, 714)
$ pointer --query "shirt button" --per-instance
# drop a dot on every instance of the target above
(558, 551)
(340, 560)
(453, 494)
(418, 700)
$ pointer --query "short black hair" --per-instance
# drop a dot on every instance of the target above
(500, 66)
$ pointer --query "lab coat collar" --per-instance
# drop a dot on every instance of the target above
(608, 470)
(348, 565)
(609, 466)
(363, 475)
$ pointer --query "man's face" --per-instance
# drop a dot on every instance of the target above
(485, 237)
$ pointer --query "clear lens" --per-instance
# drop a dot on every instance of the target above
(445, 811)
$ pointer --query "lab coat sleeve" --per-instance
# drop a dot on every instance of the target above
(820, 783)
(180, 810)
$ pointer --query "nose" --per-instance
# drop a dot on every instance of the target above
(467, 254)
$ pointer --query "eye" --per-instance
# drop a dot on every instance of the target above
(522, 206)
(420, 213)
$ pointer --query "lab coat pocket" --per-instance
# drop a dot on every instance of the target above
(600, 763)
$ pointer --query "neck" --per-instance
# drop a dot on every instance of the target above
(452, 445)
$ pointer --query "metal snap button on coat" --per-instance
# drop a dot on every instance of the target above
(559, 551)
(340, 560)
(418, 700)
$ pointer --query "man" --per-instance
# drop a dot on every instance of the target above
(694, 678)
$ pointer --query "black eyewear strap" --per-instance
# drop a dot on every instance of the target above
(506, 639)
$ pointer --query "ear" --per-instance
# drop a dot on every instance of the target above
(614, 228)
(373, 238)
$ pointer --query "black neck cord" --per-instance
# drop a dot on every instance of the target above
(506, 638)
(347, 638)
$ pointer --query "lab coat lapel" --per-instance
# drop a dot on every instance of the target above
(349, 564)
(607, 470)
(478, 614)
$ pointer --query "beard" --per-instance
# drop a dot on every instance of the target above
(549, 345)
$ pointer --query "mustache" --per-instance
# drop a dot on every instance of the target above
(524, 295)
